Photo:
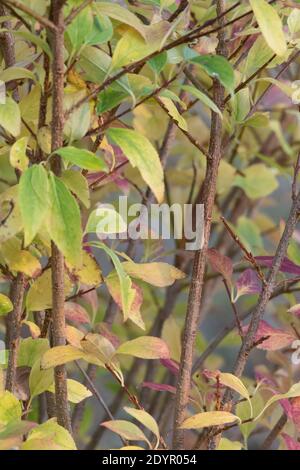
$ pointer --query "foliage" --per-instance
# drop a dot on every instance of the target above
(161, 102)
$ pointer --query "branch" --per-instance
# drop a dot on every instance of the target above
(274, 432)
(57, 259)
(76, 11)
(196, 289)
(25, 9)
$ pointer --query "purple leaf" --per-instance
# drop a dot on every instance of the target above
(159, 387)
(287, 266)
(171, 365)
(220, 263)
(277, 339)
(247, 283)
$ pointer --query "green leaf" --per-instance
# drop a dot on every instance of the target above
(6, 305)
(203, 98)
(257, 181)
(141, 154)
(145, 347)
(270, 25)
(78, 184)
(18, 158)
(105, 220)
(127, 292)
(33, 200)
(209, 418)
(130, 48)
(158, 62)
(39, 380)
(76, 391)
(64, 222)
(218, 67)
(119, 13)
(30, 351)
(10, 117)
(49, 436)
(15, 73)
(82, 158)
(10, 408)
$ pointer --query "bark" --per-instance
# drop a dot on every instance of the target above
(196, 289)
(57, 259)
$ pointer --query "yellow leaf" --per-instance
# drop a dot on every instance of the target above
(157, 274)
(88, 273)
(17, 156)
(76, 391)
(145, 347)
(39, 296)
(64, 354)
(270, 25)
(209, 418)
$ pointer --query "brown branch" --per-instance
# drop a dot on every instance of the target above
(57, 259)
(25, 9)
(14, 322)
(76, 11)
(274, 432)
(196, 289)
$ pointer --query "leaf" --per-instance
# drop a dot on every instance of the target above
(258, 120)
(49, 436)
(10, 211)
(145, 347)
(226, 444)
(20, 260)
(257, 181)
(39, 380)
(119, 13)
(293, 22)
(10, 117)
(82, 158)
(88, 273)
(76, 313)
(6, 305)
(10, 409)
(30, 350)
(127, 292)
(295, 310)
(76, 391)
(64, 213)
(64, 354)
(130, 48)
(174, 113)
(113, 284)
(39, 296)
(99, 346)
(126, 430)
(216, 66)
(78, 185)
(293, 392)
(15, 73)
(270, 25)
(105, 220)
(141, 154)
(33, 200)
(158, 274)
(287, 266)
(203, 98)
(145, 419)
(247, 283)
(220, 263)
(18, 158)
(209, 418)
(278, 339)
(233, 382)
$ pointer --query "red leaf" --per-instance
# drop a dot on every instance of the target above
(220, 263)
(278, 339)
(159, 387)
(287, 266)
(295, 404)
(171, 365)
(75, 313)
(247, 283)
